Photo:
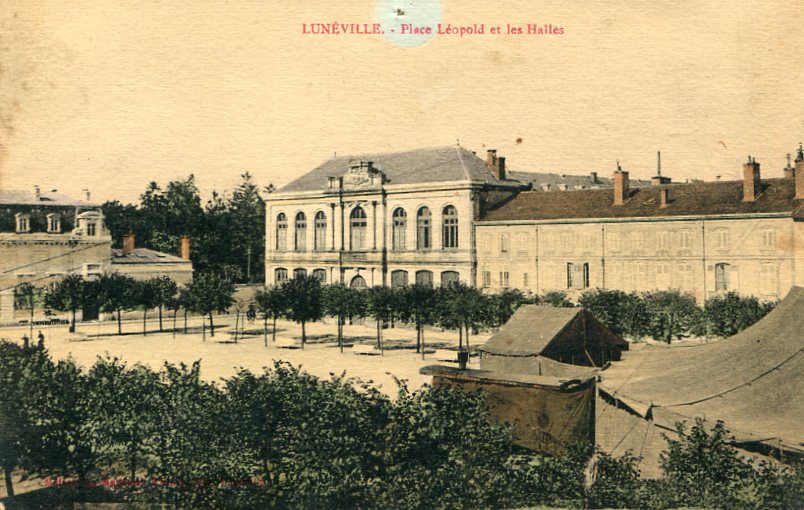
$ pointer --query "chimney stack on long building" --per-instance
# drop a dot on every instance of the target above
(664, 195)
(621, 190)
(799, 173)
(129, 242)
(751, 181)
(185, 247)
(495, 164)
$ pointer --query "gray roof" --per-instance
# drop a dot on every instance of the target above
(11, 197)
(438, 164)
(530, 330)
(145, 256)
(547, 181)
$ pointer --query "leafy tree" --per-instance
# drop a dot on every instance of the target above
(210, 292)
(247, 221)
(144, 293)
(731, 313)
(271, 303)
(463, 308)
(66, 295)
(165, 290)
(702, 468)
(557, 298)
(381, 303)
(26, 297)
(124, 411)
(608, 306)
(673, 314)
(121, 219)
(116, 292)
(23, 373)
(417, 306)
(304, 303)
(342, 303)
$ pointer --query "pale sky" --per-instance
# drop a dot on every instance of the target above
(109, 95)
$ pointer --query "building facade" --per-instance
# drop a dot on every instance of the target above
(703, 238)
(385, 219)
(44, 236)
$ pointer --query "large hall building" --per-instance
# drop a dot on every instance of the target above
(439, 215)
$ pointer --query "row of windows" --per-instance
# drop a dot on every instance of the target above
(638, 240)
(399, 277)
(24, 223)
(358, 224)
(578, 277)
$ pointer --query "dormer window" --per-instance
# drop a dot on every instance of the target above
(53, 223)
(23, 223)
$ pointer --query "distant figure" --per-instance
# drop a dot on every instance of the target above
(25, 341)
(41, 340)
(251, 313)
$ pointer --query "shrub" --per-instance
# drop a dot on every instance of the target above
(731, 313)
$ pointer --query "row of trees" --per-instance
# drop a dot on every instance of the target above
(286, 439)
(117, 293)
(457, 307)
(228, 232)
(663, 315)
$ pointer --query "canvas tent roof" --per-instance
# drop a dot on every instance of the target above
(533, 328)
(752, 381)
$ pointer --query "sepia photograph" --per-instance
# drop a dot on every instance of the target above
(401, 254)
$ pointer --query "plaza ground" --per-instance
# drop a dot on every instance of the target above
(220, 357)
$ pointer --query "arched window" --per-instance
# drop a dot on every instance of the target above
(449, 277)
(400, 226)
(424, 277)
(399, 278)
(357, 228)
(321, 274)
(450, 227)
(320, 241)
(424, 222)
(299, 272)
(280, 275)
(282, 233)
(358, 282)
(300, 232)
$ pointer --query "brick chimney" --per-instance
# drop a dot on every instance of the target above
(185, 247)
(495, 164)
(751, 181)
(799, 171)
(129, 242)
(621, 190)
(789, 170)
(659, 179)
(664, 197)
(501, 168)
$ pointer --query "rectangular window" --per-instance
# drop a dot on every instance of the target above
(722, 239)
(503, 243)
(486, 279)
(685, 240)
(721, 277)
(525, 280)
(522, 242)
(91, 229)
(504, 279)
(577, 275)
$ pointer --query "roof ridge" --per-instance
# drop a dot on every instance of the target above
(463, 165)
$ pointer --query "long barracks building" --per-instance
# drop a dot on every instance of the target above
(438, 215)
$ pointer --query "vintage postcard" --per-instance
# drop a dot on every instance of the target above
(401, 254)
